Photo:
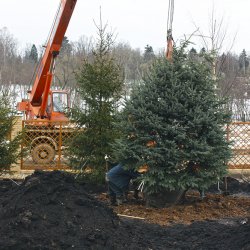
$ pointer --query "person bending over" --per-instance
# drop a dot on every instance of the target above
(118, 180)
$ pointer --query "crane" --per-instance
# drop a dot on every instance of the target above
(44, 109)
(43, 103)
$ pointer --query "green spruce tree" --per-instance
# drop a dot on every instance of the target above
(174, 124)
(148, 53)
(100, 82)
(66, 46)
(8, 146)
(33, 53)
(243, 62)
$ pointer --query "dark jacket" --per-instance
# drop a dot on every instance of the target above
(121, 177)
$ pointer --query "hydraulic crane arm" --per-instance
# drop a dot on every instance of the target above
(42, 83)
(169, 50)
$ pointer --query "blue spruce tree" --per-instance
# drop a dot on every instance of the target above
(174, 123)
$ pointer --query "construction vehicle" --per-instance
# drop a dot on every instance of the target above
(44, 109)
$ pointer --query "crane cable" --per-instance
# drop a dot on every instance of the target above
(169, 50)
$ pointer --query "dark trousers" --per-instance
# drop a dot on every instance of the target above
(114, 191)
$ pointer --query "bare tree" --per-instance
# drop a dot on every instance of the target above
(224, 64)
(8, 53)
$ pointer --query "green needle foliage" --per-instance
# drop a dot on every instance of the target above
(100, 83)
(8, 148)
(177, 111)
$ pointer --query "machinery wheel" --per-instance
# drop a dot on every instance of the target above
(43, 153)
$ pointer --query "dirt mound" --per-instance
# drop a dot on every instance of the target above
(49, 210)
(6, 185)
(236, 186)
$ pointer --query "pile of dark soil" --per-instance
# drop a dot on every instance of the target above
(235, 186)
(50, 210)
(231, 186)
(6, 185)
(225, 234)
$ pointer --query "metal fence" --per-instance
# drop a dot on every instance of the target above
(44, 144)
(238, 134)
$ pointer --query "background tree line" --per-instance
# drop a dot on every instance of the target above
(17, 68)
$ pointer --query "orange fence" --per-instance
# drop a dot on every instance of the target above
(44, 144)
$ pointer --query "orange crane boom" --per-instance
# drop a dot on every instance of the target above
(36, 106)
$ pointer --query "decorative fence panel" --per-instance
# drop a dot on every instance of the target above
(238, 133)
(44, 145)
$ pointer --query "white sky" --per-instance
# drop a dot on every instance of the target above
(138, 22)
